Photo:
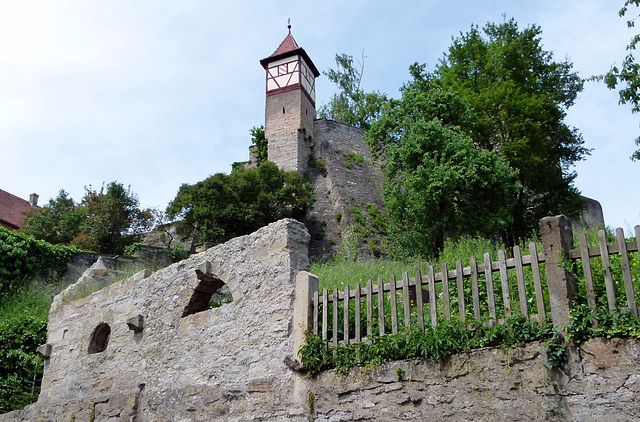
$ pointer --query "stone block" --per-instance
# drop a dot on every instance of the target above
(44, 351)
(136, 323)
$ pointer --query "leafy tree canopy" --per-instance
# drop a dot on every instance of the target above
(351, 105)
(438, 182)
(225, 206)
(628, 73)
(519, 96)
(104, 221)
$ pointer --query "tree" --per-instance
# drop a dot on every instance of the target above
(351, 105)
(260, 141)
(438, 182)
(628, 73)
(58, 222)
(519, 96)
(104, 221)
(113, 218)
(225, 206)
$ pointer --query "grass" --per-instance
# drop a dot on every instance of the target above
(342, 272)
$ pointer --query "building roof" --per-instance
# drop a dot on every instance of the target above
(289, 47)
(12, 209)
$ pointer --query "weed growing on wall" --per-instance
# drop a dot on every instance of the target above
(447, 338)
(587, 323)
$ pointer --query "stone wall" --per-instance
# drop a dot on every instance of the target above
(339, 185)
(601, 381)
(225, 363)
(151, 348)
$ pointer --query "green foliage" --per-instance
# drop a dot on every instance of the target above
(438, 182)
(262, 146)
(587, 323)
(353, 159)
(132, 250)
(556, 351)
(179, 252)
(224, 206)
(105, 221)
(628, 73)
(351, 105)
(447, 338)
(23, 327)
(519, 96)
(58, 222)
(23, 257)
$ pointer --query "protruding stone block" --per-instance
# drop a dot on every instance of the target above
(99, 268)
(44, 351)
(136, 323)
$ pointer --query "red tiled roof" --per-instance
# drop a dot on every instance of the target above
(12, 210)
(287, 47)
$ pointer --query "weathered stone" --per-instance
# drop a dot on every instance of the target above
(44, 351)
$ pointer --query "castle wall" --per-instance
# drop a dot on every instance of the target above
(341, 183)
(225, 363)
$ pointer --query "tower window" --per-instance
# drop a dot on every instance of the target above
(282, 110)
(99, 338)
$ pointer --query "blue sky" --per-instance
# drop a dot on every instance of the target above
(154, 94)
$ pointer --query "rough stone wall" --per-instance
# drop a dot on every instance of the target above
(600, 382)
(225, 363)
(340, 184)
(289, 120)
(591, 217)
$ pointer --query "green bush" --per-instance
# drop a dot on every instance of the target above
(23, 327)
(23, 257)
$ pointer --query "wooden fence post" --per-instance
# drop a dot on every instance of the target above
(557, 241)
(306, 286)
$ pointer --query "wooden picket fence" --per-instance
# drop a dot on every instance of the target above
(604, 251)
(496, 290)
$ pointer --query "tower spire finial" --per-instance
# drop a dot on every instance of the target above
(289, 25)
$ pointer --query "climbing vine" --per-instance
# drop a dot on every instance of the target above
(23, 257)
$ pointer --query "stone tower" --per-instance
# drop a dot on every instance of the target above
(290, 106)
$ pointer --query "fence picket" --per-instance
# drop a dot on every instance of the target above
(504, 283)
(489, 281)
(405, 300)
(475, 290)
(334, 341)
(325, 314)
(445, 291)
(316, 302)
(608, 277)
(419, 301)
(522, 290)
(460, 288)
(586, 269)
(358, 299)
(346, 315)
(626, 272)
(433, 296)
(369, 308)
(394, 305)
(537, 281)
(381, 305)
